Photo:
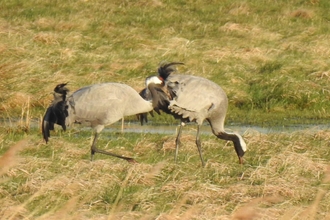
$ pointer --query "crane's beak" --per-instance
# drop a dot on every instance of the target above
(240, 159)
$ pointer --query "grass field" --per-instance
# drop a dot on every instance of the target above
(285, 176)
(271, 58)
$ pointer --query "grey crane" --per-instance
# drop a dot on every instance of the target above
(97, 105)
(195, 99)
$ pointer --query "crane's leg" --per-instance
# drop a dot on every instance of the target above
(177, 142)
(94, 150)
(93, 146)
(122, 125)
(198, 144)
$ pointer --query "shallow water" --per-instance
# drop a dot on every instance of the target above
(189, 128)
(206, 129)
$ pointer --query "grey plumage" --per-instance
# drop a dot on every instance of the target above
(97, 105)
(196, 99)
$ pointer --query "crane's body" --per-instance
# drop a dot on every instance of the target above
(118, 100)
(97, 105)
(196, 99)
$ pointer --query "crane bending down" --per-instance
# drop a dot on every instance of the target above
(195, 99)
(98, 105)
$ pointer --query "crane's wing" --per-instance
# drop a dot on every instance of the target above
(192, 96)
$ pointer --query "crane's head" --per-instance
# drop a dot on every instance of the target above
(155, 85)
(240, 147)
(165, 68)
(156, 80)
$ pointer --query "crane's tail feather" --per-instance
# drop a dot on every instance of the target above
(143, 117)
(165, 69)
(45, 130)
(47, 124)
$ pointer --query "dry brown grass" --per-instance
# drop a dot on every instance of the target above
(302, 13)
(9, 159)
(291, 184)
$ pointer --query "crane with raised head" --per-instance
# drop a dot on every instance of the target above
(97, 105)
(195, 99)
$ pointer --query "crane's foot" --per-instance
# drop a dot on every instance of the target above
(92, 154)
